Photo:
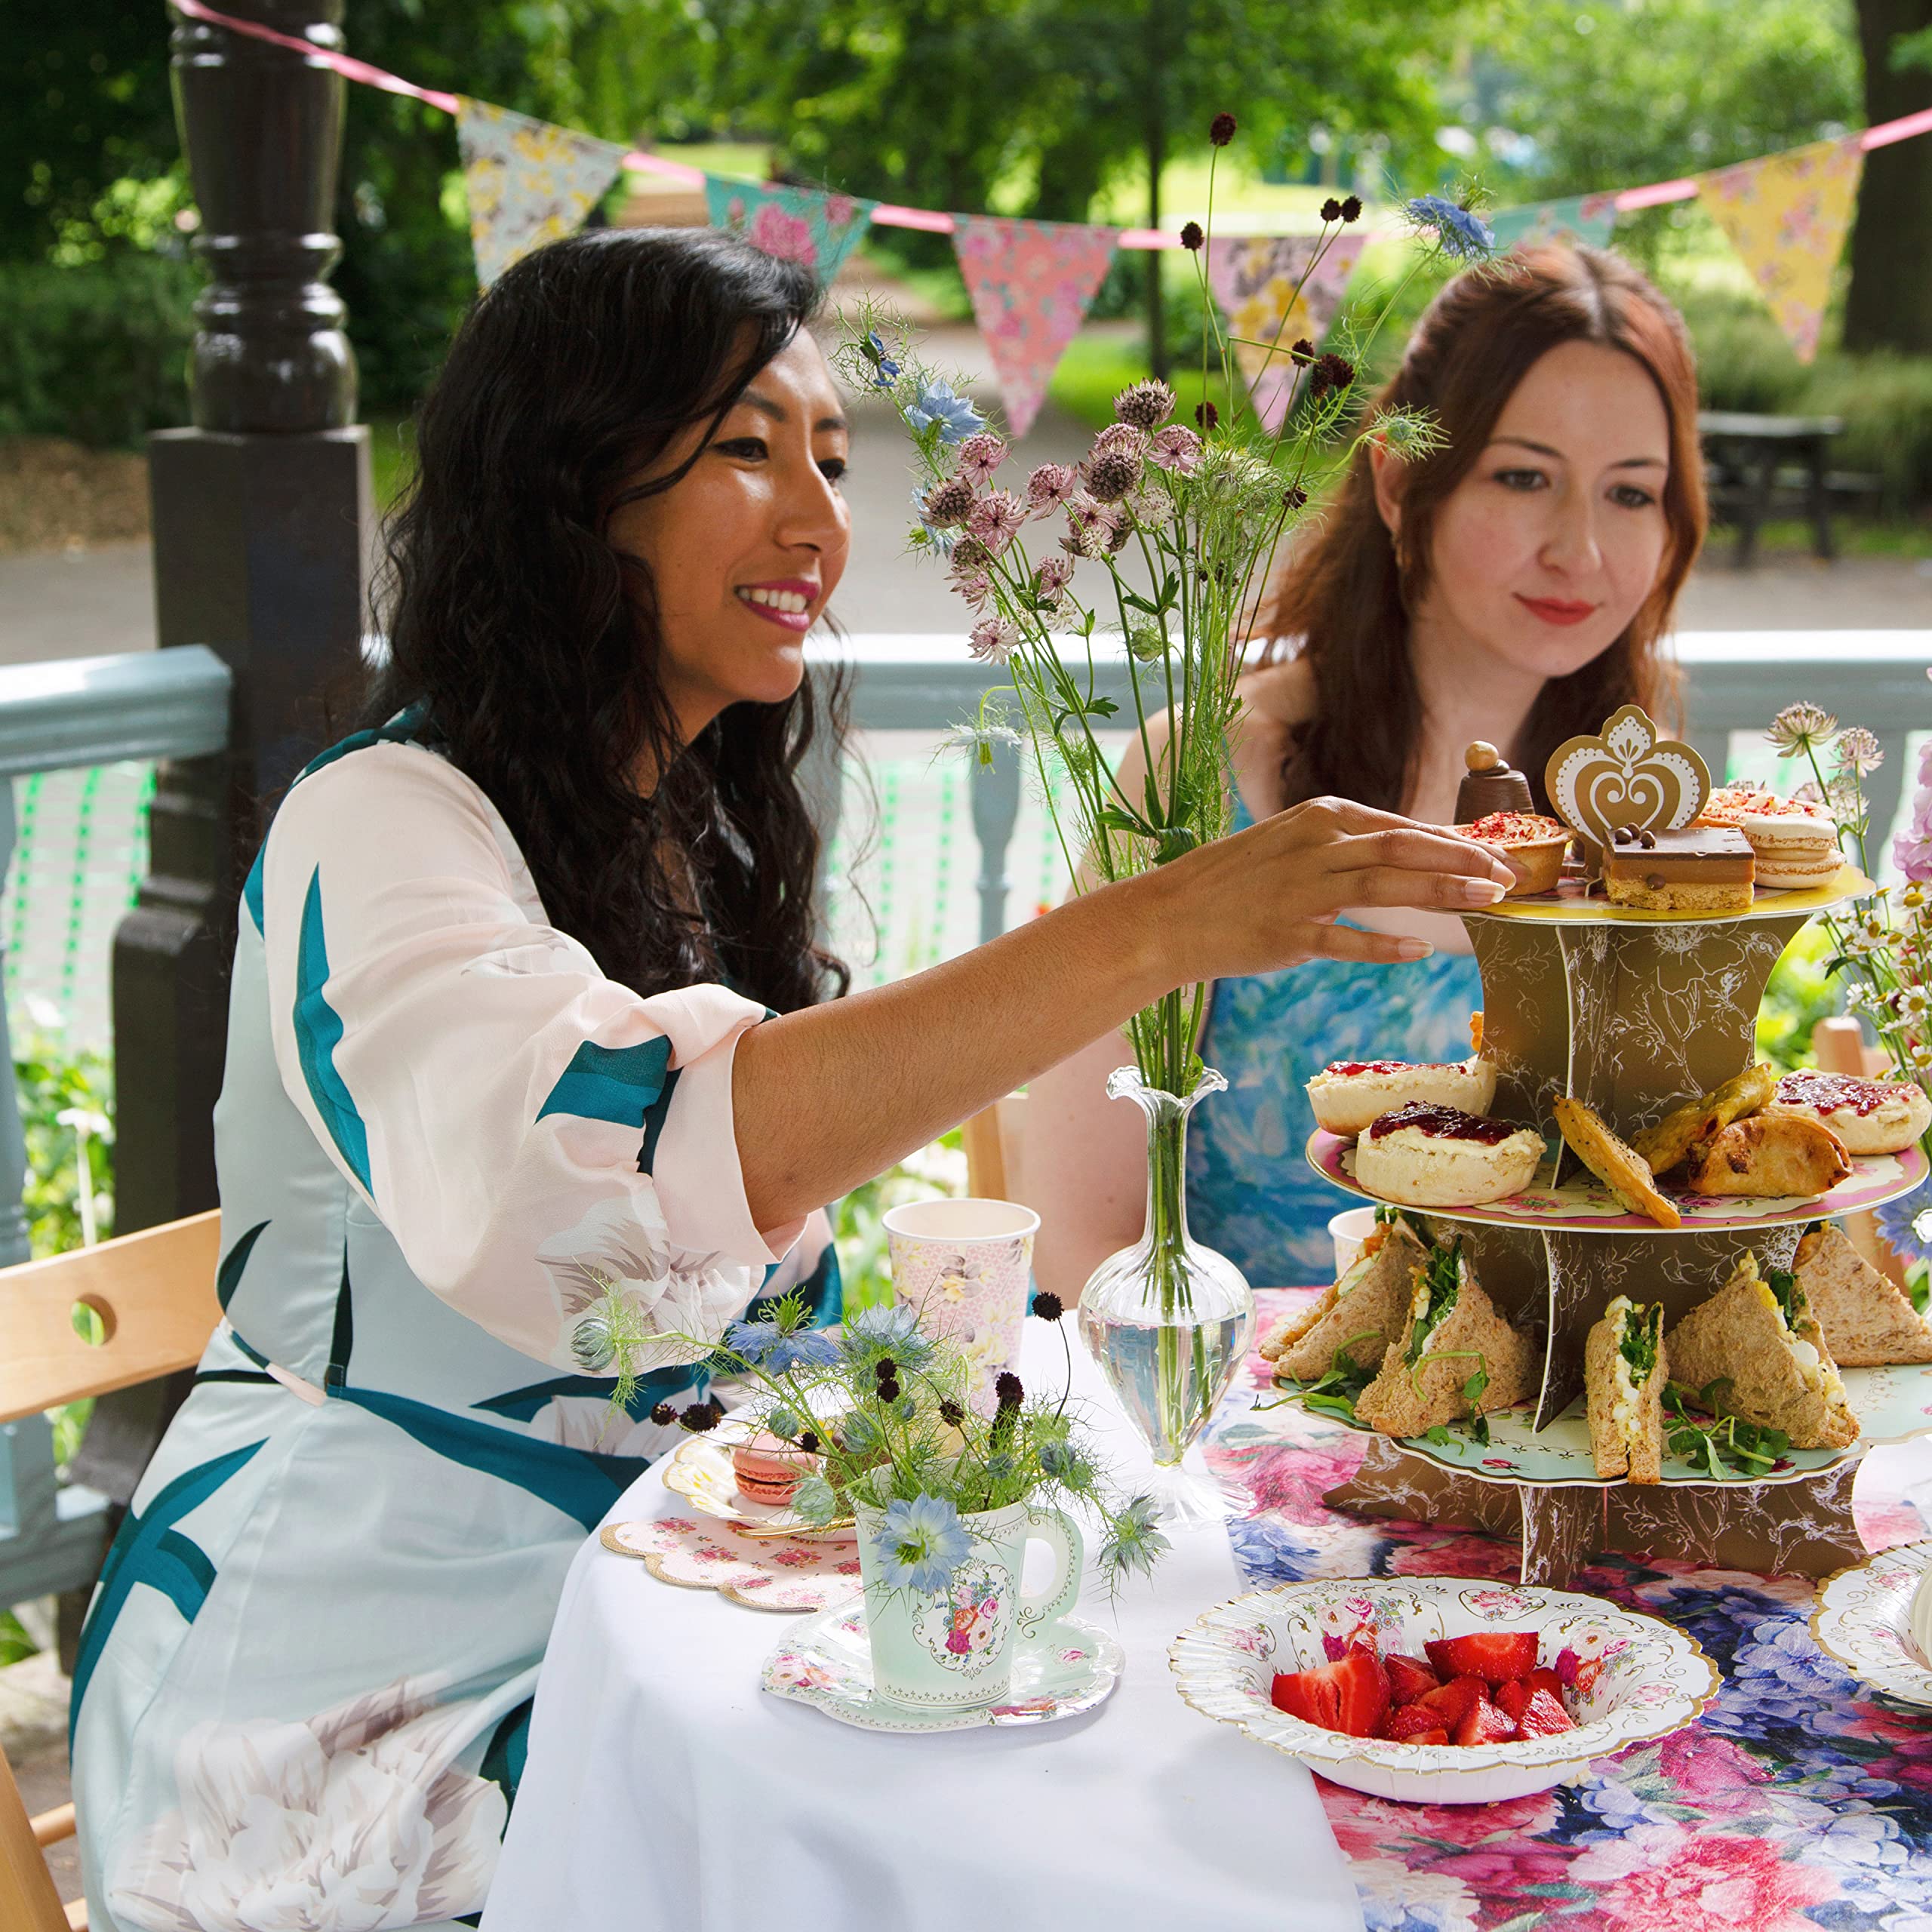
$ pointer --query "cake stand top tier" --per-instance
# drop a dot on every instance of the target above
(1571, 905)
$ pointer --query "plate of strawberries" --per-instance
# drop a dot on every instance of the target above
(1439, 1690)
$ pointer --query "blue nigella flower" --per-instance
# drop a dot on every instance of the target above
(1905, 1225)
(858, 1432)
(887, 370)
(920, 1543)
(957, 417)
(893, 1331)
(1460, 233)
(765, 1345)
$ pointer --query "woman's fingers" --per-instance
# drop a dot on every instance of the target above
(1357, 942)
(1383, 885)
(1417, 848)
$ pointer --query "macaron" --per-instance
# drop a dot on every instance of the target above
(766, 1470)
(1793, 851)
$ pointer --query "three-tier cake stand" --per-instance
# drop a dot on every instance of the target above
(1633, 1013)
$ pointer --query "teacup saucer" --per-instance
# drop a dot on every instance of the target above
(1063, 1669)
(1864, 1619)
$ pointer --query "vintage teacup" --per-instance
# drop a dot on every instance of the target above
(951, 1650)
(965, 1268)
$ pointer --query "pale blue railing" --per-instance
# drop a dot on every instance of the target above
(174, 703)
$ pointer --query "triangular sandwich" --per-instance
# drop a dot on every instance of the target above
(1754, 1349)
(1868, 1320)
(1453, 1336)
(1359, 1316)
(1625, 1368)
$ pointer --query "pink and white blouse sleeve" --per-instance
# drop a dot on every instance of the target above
(531, 1132)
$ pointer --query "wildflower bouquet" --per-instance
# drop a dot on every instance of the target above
(881, 1406)
(1884, 949)
(1200, 510)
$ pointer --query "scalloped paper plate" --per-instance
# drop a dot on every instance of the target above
(701, 1472)
(1631, 1677)
(1893, 1404)
(1586, 1207)
(1864, 1619)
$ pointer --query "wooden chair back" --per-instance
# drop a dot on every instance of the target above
(152, 1295)
(29, 1901)
(992, 1141)
(1838, 1046)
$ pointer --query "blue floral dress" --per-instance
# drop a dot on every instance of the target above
(1251, 1193)
(444, 1138)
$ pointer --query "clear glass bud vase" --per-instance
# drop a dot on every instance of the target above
(1168, 1320)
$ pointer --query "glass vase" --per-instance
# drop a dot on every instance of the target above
(1168, 1320)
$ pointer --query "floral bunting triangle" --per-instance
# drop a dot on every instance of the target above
(1581, 218)
(802, 225)
(529, 182)
(1255, 280)
(1030, 283)
(1786, 216)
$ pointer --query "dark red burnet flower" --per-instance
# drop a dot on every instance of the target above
(1206, 414)
(1294, 496)
(700, 1416)
(808, 1441)
(1345, 211)
(1191, 236)
(1332, 372)
(950, 1413)
(1048, 1307)
(1302, 353)
(1221, 130)
(888, 1390)
(664, 1415)
(1010, 1390)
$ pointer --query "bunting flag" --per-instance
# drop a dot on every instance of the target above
(1255, 279)
(1786, 216)
(1031, 282)
(529, 182)
(795, 224)
(1581, 218)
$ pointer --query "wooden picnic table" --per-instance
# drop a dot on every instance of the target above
(1744, 454)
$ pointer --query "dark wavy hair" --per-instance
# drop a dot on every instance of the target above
(533, 643)
(1343, 603)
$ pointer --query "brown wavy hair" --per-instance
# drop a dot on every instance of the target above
(1343, 603)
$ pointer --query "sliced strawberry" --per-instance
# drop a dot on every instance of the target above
(1350, 1695)
(1543, 1716)
(1408, 1678)
(1543, 1678)
(1497, 1656)
(1437, 1736)
(1511, 1697)
(1451, 1703)
(1407, 1723)
(1485, 1724)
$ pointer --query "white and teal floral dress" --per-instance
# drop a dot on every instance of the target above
(1251, 1193)
(443, 1136)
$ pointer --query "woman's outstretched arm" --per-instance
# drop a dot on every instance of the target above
(825, 1098)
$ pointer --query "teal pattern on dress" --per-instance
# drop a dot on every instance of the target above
(1251, 1193)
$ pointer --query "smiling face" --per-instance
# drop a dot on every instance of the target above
(1548, 547)
(747, 548)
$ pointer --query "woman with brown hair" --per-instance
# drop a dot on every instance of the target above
(1516, 586)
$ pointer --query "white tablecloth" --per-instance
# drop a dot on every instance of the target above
(664, 1789)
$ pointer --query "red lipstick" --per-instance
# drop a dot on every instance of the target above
(1556, 610)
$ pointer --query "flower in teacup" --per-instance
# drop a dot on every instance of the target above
(920, 1543)
(1133, 1541)
(766, 1345)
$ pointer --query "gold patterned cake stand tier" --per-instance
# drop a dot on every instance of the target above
(1573, 903)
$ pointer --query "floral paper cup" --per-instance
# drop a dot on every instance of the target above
(965, 1268)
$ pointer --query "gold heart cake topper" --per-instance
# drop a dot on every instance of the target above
(1626, 776)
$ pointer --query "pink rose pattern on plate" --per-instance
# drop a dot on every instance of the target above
(1801, 1802)
(767, 1575)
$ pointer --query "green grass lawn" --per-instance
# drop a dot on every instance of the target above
(1097, 366)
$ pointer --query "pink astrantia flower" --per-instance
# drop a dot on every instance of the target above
(1177, 448)
(787, 236)
(1050, 486)
(995, 520)
(980, 456)
(992, 640)
(1671, 1878)
(974, 586)
(1912, 851)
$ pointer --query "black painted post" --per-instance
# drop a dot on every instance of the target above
(260, 512)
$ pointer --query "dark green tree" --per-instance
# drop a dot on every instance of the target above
(1889, 304)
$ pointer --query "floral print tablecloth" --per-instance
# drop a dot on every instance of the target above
(1801, 1801)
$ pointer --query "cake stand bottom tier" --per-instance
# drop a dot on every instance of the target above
(1799, 1528)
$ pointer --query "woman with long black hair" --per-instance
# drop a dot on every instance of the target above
(531, 1039)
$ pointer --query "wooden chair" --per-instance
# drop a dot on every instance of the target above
(1838, 1046)
(152, 1300)
(992, 1142)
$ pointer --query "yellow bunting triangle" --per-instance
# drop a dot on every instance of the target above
(528, 181)
(1786, 216)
